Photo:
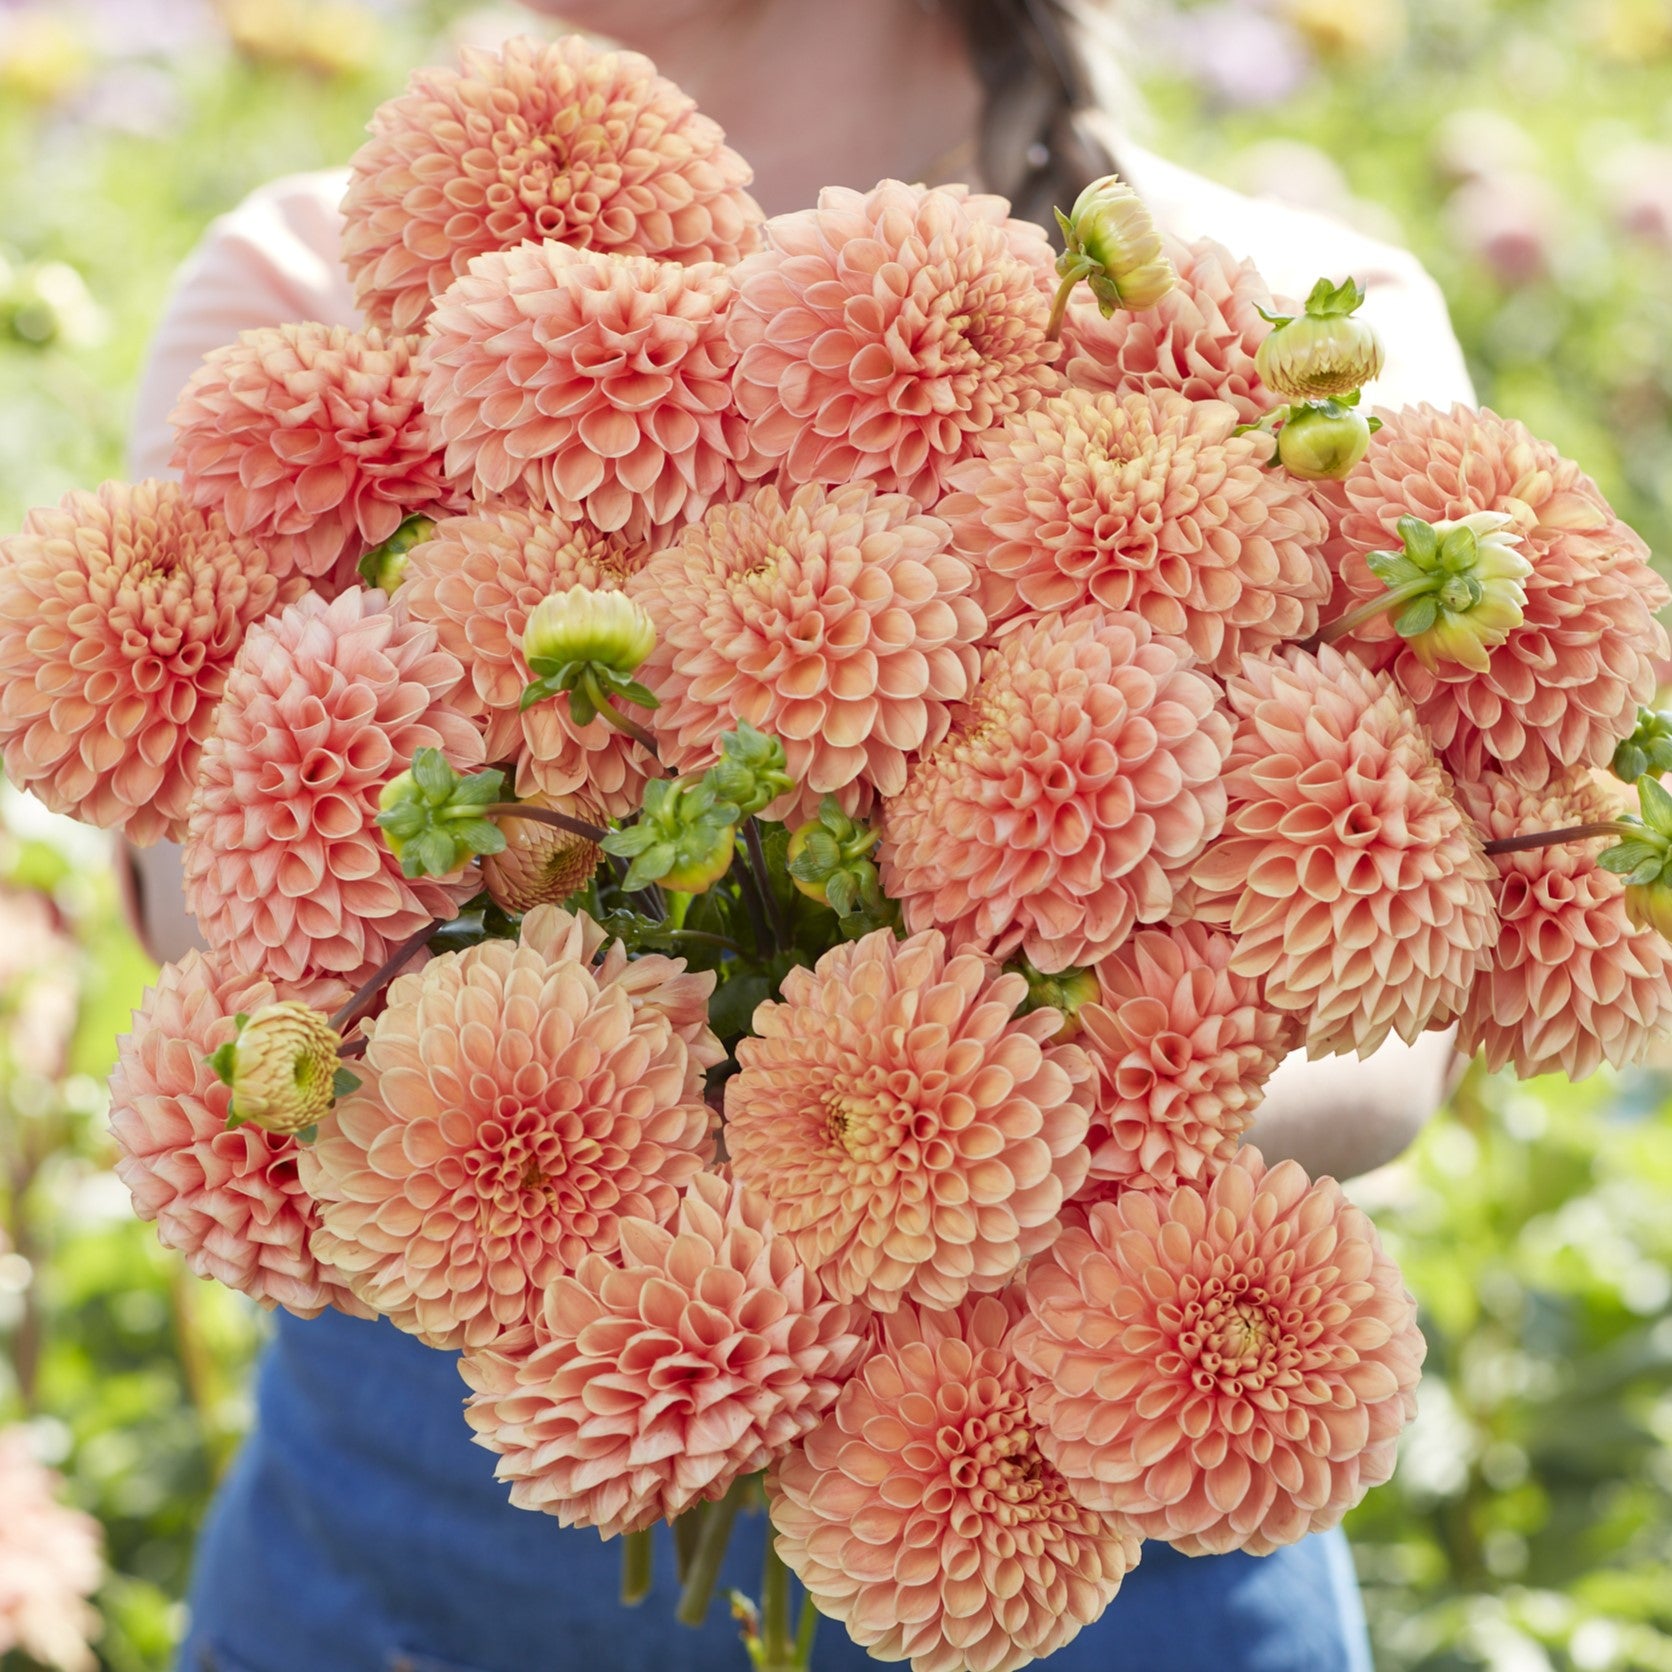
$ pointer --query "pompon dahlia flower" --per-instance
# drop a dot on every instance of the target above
(51, 1562)
(541, 140)
(913, 1136)
(922, 1514)
(1144, 502)
(883, 331)
(1199, 339)
(1566, 685)
(230, 1202)
(598, 385)
(649, 1381)
(1573, 983)
(476, 581)
(1355, 886)
(1183, 1047)
(120, 614)
(836, 620)
(1069, 799)
(312, 440)
(1226, 1369)
(515, 1109)
(285, 867)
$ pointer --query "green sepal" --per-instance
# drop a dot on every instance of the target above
(343, 1082)
(220, 1062)
(654, 862)
(1421, 541)
(1393, 569)
(540, 691)
(307, 1135)
(1631, 855)
(1656, 803)
(434, 777)
(1417, 617)
(1332, 301)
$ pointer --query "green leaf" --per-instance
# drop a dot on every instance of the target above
(733, 1006)
(1417, 617)
(343, 1082)
(542, 690)
(1656, 804)
(632, 691)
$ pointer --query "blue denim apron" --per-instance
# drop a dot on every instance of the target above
(362, 1531)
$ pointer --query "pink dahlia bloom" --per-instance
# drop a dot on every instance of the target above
(312, 440)
(285, 868)
(1199, 338)
(1069, 799)
(515, 1109)
(1183, 1047)
(230, 1202)
(650, 1381)
(835, 620)
(1566, 685)
(120, 614)
(922, 1514)
(913, 1136)
(541, 140)
(883, 331)
(51, 1562)
(1573, 983)
(475, 581)
(1354, 885)
(598, 385)
(1227, 1369)
(1144, 502)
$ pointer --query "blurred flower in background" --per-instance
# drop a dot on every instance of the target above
(49, 1562)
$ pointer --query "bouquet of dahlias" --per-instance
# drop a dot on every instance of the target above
(766, 794)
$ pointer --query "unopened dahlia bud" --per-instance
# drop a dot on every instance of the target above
(1648, 749)
(1322, 352)
(606, 629)
(1063, 992)
(1111, 241)
(750, 772)
(1323, 442)
(283, 1068)
(1649, 906)
(1644, 858)
(829, 860)
(385, 566)
(435, 820)
(684, 838)
(541, 864)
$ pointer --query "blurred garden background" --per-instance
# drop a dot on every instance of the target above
(1523, 148)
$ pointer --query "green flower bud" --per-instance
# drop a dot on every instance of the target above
(1649, 906)
(829, 860)
(435, 820)
(1322, 352)
(283, 1068)
(684, 838)
(1110, 240)
(1063, 992)
(750, 772)
(385, 566)
(606, 629)
(1648, 749)
(1643, 857)
(1323, 442)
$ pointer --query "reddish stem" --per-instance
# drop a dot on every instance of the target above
(363, 1000)
(1550, 838)
(545, 815)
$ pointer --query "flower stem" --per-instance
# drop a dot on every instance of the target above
(763, 879)
(545, 815)
(1059, 307)
(687, 1531)
(701, 937)
(708, 1555)
(1550, 838)
(1366, 613)
(805, 1630)
(612, 716)
(777, 1651)
(638, 1555)
(366, 997)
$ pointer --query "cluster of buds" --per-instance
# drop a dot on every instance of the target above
(589, 644)
(830, 861)
(283, 1069)
(385, 566)
(1111, 242)
(1648, 749)
(436, 820)
(1065, 992)
(1643, 858)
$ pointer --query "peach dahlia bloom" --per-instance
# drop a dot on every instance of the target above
(1566, 685)
(1183, 1047)
(51, 1562)
(1199, 339)
(1070, 797)
(649, 1381)
(1227, 1369)
(881, 332)
(312, 440)
(516, 1107)
(120, 614)
(835, 620)
(1573, 983)
(476, 581)
(539, 140)
(922, 1515)
(598, 385)
(913, 1136)
(285, 868)
(1144, 502)
(230, 1202)
(1354, 885)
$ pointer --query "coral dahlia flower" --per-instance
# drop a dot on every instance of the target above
(835, 620)
(649, 1381)
(1144, 502)
(312, 440)
(1354, 885)
(1226, 1369)
(883, 331)
(1183, 1047)
(912, 1135)
(540, 140)
(230, 1202)
(1565, 687)
(285, 867)
(514, 1111)
(598, 385)
(922, 1514)
(50, 1564)
(1573, 983)
(1199, 339)
(1070, 797)
(120, 614)
(476, 581)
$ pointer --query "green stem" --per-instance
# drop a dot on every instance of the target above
(776, 1648)
(545, 815)
(1059, 305)
(1550, 838)
(707, 1557)
(638, 1555)
(611, 715)
(763, 878)
(687, 1531)
(701, 937)
(1368, 612)
(805, 1631)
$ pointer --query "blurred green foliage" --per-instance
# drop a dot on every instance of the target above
(1511, 143)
